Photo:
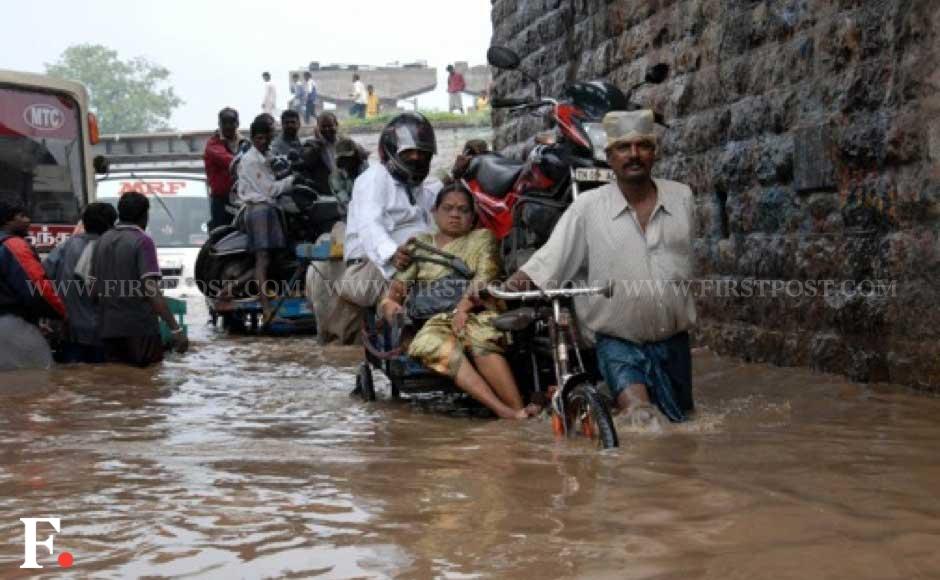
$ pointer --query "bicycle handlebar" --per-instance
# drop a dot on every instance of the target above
(497, 292)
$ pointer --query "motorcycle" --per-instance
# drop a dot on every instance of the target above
(520, 201)
(307, 213)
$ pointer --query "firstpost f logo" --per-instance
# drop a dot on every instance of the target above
(30, 543)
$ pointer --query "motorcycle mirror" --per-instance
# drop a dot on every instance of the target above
(101, 164)
(502, 57)
(657, 73)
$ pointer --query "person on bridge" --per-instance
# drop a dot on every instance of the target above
(359, 98)
(299, 90)
(310, 108)
(372, 104)
(220, 151)
(257, 188)
(455, 88)
(288, 141)
(127, 276)
(26, 295)
(637, 232)
(269, 102)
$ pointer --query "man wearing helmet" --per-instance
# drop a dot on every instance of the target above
(391, 203)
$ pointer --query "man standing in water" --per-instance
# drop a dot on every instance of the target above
(26, 295)
(638, 233)
(127, 278)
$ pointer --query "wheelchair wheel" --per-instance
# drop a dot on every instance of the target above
(590, 416)
(364, 385)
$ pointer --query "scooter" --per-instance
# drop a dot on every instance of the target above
(520, 201)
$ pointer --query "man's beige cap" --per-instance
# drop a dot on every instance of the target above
(629, 126)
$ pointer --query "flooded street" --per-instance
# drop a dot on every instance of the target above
(247, 458)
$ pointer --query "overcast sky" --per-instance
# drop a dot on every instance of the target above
(217, 49)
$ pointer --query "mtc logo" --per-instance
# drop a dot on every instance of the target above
(44, 117)
(30, 543)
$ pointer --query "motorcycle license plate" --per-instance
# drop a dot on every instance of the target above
(595, 174)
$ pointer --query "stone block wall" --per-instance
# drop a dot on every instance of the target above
(810, 133)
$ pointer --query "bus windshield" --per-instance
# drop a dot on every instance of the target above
(179, 207)
(41, 154)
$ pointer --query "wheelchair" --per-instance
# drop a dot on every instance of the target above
(544, 354)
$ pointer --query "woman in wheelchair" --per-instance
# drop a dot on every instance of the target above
(457, 338)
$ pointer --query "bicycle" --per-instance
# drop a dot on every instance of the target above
(576, 404)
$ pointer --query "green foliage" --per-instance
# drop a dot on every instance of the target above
(472, 119)
(126, 95)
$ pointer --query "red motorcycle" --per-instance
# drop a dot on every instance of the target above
(520, 201)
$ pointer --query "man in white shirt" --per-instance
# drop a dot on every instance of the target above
(391, 203)
(269, 103)
(360, 97)
(258, 188)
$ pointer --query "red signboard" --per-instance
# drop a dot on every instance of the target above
(37, 115)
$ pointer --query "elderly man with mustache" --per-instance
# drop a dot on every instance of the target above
(636, 232)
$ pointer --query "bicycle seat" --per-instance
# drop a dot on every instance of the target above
(515, 320)
(496, 173)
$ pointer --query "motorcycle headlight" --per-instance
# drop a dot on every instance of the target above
(598, 138)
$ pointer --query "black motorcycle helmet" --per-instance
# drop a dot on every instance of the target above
(404, 132)
(596, 98)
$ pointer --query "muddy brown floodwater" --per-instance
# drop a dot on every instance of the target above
(248, 459)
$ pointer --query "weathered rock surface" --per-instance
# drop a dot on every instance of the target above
(810, 132)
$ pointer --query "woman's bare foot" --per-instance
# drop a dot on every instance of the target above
(527, 412)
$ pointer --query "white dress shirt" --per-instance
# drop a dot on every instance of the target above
(381, 217)
(256, 182)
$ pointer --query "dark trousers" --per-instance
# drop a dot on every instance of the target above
(139, 351)
(218, 214)
(73, 352)
(358, 110)
(310, 112)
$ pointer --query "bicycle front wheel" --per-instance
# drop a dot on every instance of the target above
(590, 416)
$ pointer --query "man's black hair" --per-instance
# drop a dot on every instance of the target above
(289, 114)
(307, 74)
(99, 217)
(228, 113)
(133, 207)
(261, 126)
(266, 74)
(9, 210)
